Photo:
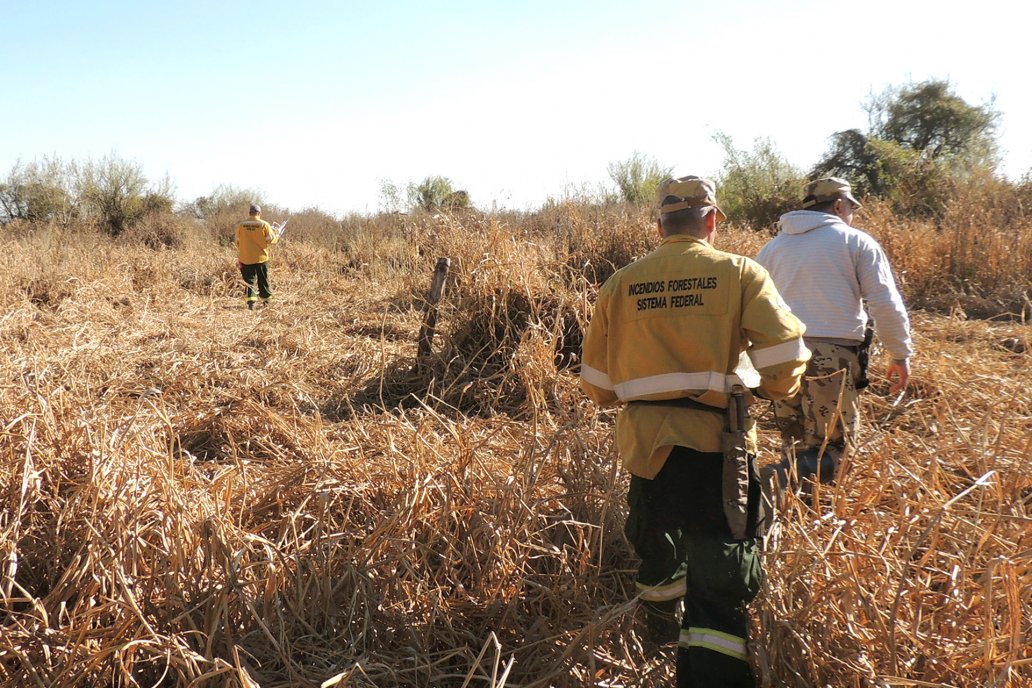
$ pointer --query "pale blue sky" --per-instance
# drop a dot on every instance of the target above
(316, 103)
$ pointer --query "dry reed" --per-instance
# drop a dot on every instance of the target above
(198, 495)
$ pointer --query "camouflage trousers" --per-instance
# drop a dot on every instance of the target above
(815, 413)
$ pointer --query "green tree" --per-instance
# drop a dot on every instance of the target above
(855, 157)
(457, 200)
(930, 118)
(436, 193)
(118, 195)
(390, 197)
(756, 187)
(913, 184)
(39, 192)
(923, 141)
(224, 198)
(638, 177)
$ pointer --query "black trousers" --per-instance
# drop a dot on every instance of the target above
(258, 272)
(677, 526)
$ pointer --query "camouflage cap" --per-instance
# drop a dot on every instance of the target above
(827, 189)
(687, 192)
(255, 209)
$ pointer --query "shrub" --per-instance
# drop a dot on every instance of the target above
(39, 192)
(922, 141)
(755, 188)
(224, 198)
(637, 178)
(118, 195)
(914, 186)
(163, 230)
(437, 193)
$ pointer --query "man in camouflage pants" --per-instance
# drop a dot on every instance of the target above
(825, 407)
(825, 269)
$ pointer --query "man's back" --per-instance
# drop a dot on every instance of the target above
(672, 325)
(254, 236)
(825, 270)
(684, 290)
(676, 321)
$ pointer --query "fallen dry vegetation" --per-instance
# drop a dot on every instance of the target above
(197, 495)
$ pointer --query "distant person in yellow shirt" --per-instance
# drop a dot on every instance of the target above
(254, 236)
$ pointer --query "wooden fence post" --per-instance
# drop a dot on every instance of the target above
(426, 332)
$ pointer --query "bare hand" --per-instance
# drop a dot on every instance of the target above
(901, 371)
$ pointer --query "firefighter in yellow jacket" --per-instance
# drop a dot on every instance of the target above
(664, 341)
(254, 236)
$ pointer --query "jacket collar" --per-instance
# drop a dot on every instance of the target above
(680, 238)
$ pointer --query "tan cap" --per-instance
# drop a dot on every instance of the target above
(687, 192)
(827, 189)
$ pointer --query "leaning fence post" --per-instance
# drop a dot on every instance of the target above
(426, 331)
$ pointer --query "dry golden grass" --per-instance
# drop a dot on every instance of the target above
(194, 494)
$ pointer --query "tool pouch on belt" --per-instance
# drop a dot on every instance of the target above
(735, 484)
(863, 356)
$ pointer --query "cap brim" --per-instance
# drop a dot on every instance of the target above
(684, 205)
(852, 200)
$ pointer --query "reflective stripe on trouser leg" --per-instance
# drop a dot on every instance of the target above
(664, 592)
(717, 641)
(249, 273)
(724, 576)
(653, 527)
(677, 526)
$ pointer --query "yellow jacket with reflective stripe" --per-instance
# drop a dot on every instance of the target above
(673, 324)
(253, 239)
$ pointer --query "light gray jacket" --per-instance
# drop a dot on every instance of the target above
(825, 269)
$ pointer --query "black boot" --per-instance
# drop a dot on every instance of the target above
(807, 464)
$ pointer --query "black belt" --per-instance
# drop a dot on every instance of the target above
(682, 402)
(855, 347)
